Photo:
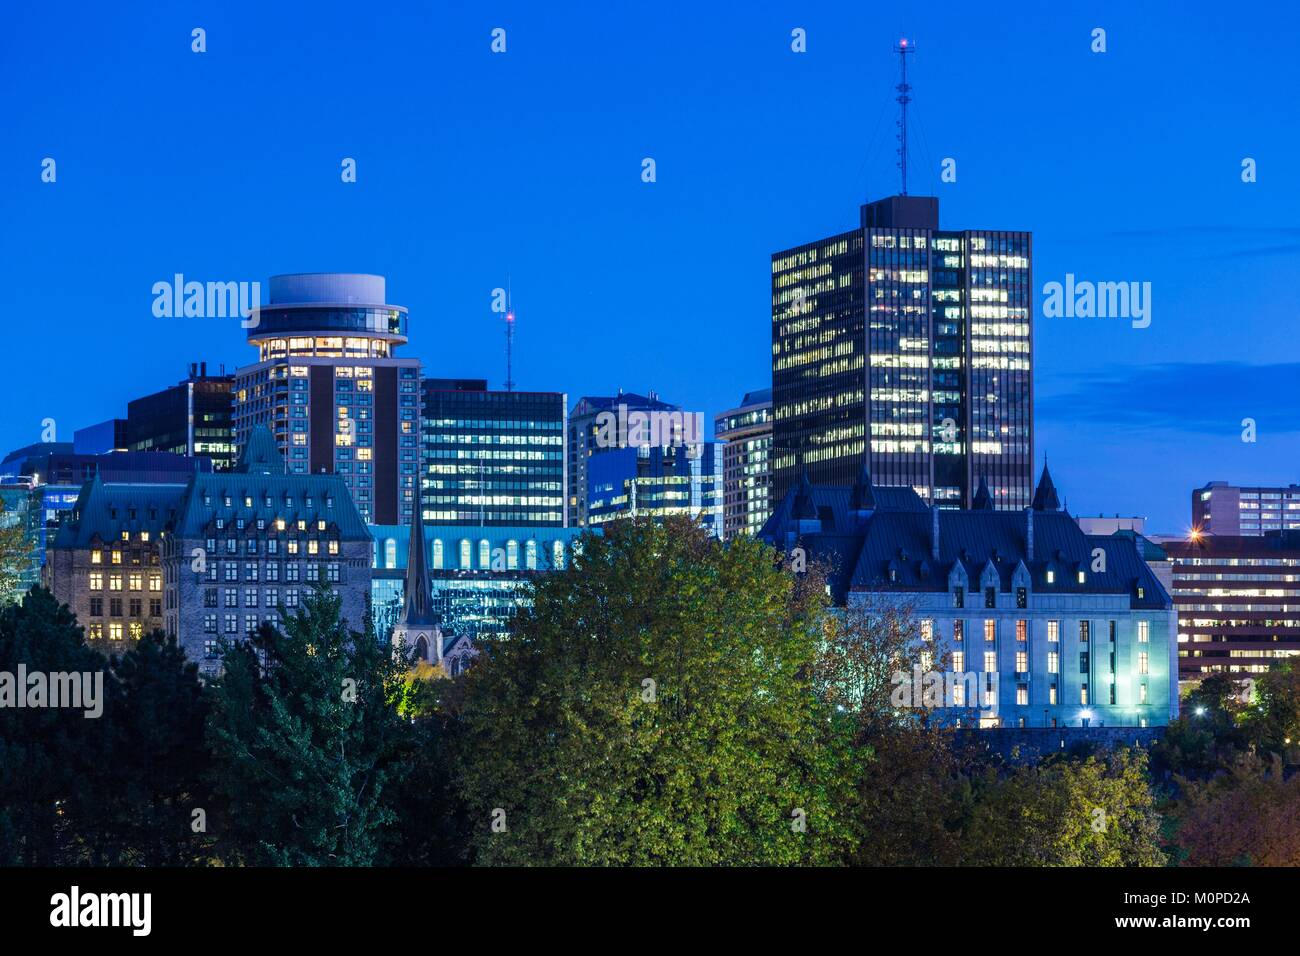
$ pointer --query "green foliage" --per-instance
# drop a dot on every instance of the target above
(154, 782)
(304, 742)
(50, 757)
(654, 706)
(1098, 811)
(1247, 816)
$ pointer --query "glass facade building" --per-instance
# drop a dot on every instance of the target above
(746, 463)
(909, 345)
(478, 576)
(193, 418)
(657, 481)
(333, 393)
(492, 458)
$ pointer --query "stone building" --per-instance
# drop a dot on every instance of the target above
(104, 561)
(251, 543)
(1047, 626)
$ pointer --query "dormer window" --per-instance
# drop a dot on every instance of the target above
(1022, 597)
(959, 596)
(893, 574)
(990, 597)
(1081, 577)
(1141, 592)
(1051, 576)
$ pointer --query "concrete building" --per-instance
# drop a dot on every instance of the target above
(746, 431)
(911, 344)
(1238, 602)
(330, 387)
(1046, 626)
(1219, 508)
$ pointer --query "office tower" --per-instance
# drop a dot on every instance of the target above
(1235, 510)
(657, 481)
(102, 438)
(331, 389)
(599, 424)
(478, 577)
(1235, 596)
(1037, 631)
(746, 463)
(194, 417)
(492, 458)
(910, 343)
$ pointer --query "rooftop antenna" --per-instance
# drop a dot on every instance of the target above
(902, 48)
(510, 339)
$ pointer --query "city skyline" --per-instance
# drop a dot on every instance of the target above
(491, 169)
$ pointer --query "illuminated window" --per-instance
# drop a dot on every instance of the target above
(1143, 662)
(1144, 632)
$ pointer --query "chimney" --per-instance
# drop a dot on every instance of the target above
(1029, 534)
(203, 369)
(193, 370)
(934, 533)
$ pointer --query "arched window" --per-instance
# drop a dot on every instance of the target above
(530, 555)
(464, 554)
(512, 555)
(421, 648)
(558, 550)
(390, 553)
(437, 553)
(484, 554)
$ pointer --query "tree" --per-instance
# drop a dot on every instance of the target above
(15, 551)
(654, 705)
(906, 804)
(153, 785)
(1098, 811)
(1249, 816)
(1208, 734)
(304, 733)
(49, 756)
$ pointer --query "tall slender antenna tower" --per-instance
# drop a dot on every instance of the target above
(510, 339)
(902, 48)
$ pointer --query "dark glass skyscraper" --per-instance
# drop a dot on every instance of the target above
(492, 458)
(194, 417)
(909, 344)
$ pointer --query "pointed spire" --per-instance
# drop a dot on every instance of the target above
(1045, 498)
(804, 510)
(418, 589)
(983, 500)
(260, 456)
(864, 495)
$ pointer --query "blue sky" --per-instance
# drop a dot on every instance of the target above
(471, 165)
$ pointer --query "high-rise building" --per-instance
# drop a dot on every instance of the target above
(1235, 510)
(1237, 598)
(909, 343)
(1042, 625)
(746, 463)
(600, 424)
(331, 390)
(658, 481)
(194, 417)
(492, 458)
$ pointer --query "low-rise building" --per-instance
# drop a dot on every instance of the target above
(1053, 627)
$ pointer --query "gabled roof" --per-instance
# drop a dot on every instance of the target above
(261, 456)
(983, 501)
(107, 510)
(863, 552)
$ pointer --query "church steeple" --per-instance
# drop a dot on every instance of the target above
(417, 611)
